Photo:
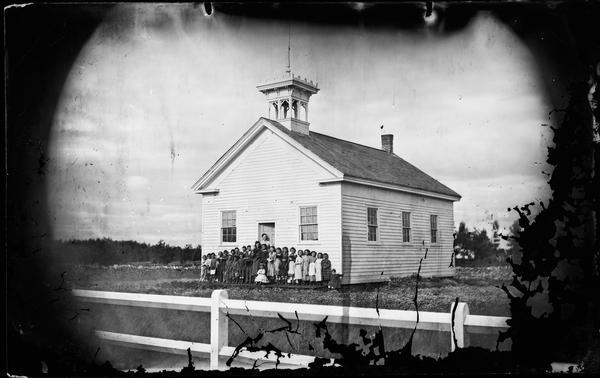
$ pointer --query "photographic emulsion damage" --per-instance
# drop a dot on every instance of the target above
(173, 207)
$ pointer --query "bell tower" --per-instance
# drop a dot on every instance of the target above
(287, 101)
(287, 98)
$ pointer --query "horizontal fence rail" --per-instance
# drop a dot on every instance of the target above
(219, 305)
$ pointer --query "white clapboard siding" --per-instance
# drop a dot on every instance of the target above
(364, 261)
(268, 182)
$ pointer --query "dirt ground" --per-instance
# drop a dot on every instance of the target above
(479, 287)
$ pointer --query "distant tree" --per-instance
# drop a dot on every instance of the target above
(187, 254)
(482, 245)
(163, 255)
(108, 252)
(462, 236)
(513, 238)
(197, 253)
(477, 241)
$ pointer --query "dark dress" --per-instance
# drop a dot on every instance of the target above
(283, 268)
(264, 256)
(235, 271)
(277, 264)
(213, 269)
(335, 282)
(220, 268)
(247, 269)
(227, 271)
(255, 265)
(326, 270)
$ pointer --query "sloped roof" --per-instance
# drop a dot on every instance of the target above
(368, 163)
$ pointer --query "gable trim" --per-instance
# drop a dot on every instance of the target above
(244, 141)
(390, 187)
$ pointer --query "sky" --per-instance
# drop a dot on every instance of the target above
(160, 92)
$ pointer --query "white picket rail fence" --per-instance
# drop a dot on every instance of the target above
(219, 305)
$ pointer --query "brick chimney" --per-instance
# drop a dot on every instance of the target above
(387, 143)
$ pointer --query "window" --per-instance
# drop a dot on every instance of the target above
(405, 227)
(433, 221)
(228, 228)
(308, 223)
(372, 223)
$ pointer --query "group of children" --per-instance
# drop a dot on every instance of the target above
(263, 264)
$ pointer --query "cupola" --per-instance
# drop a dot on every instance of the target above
(287, 101)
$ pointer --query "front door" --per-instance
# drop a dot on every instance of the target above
(269, 229)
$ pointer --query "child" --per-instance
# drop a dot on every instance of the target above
(291, 266)
(227, 270)
(326, 268)
(277, 264)
(261, 277)
(213, 266)
(271, 265)
(335, 282)
(283, 269)
(203, 269)
(257, 246)
(255, 263)
(240, 268)
(264, 254)
(305, 264)
(220, 266)
(235, 269)
(298, 276)
(248, 266)
(319, 269)
(208, 267)
(312, 269)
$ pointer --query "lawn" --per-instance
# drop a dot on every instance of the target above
(477, 286)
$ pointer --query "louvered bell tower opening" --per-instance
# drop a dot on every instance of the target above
(287, 101)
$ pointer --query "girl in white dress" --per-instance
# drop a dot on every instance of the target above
(261, 275)
(298, 269)
(312, 271)
(291, 266)
(318, 270)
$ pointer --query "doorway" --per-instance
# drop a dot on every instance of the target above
(269, 229)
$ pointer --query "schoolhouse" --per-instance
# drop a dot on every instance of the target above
(375, 214)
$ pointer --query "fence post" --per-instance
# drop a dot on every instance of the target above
(219, 333)
(458, 331)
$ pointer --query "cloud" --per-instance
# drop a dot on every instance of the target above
(160, 92)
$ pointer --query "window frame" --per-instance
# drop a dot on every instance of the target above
(221, 228)
(409, 228)
(376, 225)
(433, 232)
(300, 224)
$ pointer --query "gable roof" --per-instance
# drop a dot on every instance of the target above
(368, 163)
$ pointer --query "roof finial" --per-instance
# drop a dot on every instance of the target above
(289, 64)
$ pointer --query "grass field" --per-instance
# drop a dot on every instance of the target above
(477, 286)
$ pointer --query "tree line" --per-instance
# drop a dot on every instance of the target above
(106, 251)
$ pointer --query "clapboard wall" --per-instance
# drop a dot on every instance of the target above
(364, 261)
(269, 182)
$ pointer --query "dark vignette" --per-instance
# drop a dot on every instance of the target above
(41, 43)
